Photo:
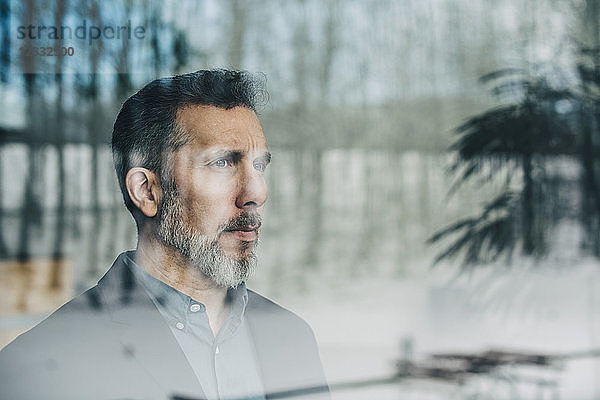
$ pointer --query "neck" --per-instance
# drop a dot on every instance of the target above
(168, 265)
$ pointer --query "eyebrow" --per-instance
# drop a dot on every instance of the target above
(267, 157)
(237, 155)
(233, 155)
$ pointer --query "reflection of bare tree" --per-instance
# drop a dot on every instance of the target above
(181, 50)
(301, 62)
(59, 134)
(314, 121)
(5, 47)
(30, 211)
(315, 183)
(4, 70)
(96, 135)
(124, 84)
(369, 226)
(155, 25)
(330, 40)
(238, 11)
(3, 248)
(589, 71)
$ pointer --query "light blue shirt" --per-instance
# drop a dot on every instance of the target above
(225, 365)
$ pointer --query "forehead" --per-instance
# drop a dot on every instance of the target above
(209, 126)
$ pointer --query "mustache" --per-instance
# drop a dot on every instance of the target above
(245, 220)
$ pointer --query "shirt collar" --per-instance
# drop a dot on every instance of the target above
(176, 304)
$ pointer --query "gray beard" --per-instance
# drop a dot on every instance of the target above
(204, 253)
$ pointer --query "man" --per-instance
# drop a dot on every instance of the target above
(174, 319)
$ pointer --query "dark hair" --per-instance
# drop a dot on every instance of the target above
(146, 131)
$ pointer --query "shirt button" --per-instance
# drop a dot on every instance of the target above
(179, 326)
(195, 307)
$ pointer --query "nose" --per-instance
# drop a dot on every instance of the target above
(252, 190)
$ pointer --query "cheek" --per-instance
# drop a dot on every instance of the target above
(210, 206)
(213, 193)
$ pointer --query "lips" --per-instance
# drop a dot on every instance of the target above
(246, 234)
(245, 227)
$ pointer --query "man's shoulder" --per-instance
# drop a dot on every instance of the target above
(57, 351)
(77, 327)
(266, 314)
(262, 305)
(97, 337)
(67, 325)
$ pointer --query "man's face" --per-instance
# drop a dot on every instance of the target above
(212, 209)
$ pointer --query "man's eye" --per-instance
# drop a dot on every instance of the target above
(222, 163)
(260, 167)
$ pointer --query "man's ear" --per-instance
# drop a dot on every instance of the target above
(144, 190)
